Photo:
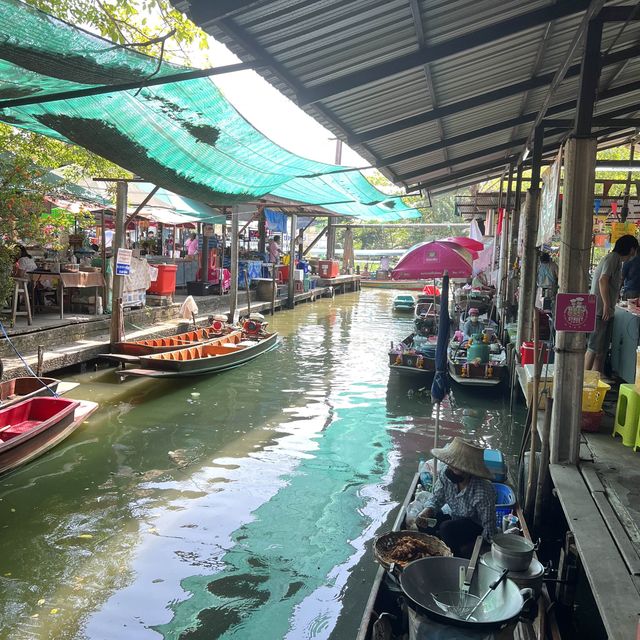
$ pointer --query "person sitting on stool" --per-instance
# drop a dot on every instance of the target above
(463, 485)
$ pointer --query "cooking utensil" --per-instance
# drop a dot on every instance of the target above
(491, 589)
(423, 579)
(457, 603)
(512, 552)
(473, 562)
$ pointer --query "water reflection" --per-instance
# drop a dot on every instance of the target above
(238, 506)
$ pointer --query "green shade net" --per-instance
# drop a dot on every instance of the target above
(183, 136)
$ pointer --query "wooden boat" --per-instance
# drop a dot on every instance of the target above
(229, 351)
(385, 613)
(31, 427)
(404, 304)
(138, 348)
(18, 389)
(414, 356)
(474, 373)
(402, 285)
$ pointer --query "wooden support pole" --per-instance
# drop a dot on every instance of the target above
(233, 302)
(248, 291)
(292, 261)
(331, 239)
(117, 318)
(575, 244)
(262, 231)
(533, 404)
(315, 240)
(274, 288)
(204, 257)
(543, 468)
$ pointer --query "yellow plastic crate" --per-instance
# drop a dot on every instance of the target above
(593, 397)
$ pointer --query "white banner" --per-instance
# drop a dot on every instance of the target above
(549, 201)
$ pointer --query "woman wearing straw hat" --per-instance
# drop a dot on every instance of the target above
(463, 485)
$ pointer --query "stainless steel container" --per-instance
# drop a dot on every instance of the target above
(532, 578)
(512, 552)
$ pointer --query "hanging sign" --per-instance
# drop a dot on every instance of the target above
(575, 312)
(549, 201)
(123, 262)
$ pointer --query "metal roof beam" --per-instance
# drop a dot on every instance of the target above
(486, 98)
(619, 14)
(427, 54)
(603, 119)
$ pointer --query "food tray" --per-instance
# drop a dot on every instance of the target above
(385, 544)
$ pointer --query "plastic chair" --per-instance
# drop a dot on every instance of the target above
(20, 289)
(627, 414)
(636, 446)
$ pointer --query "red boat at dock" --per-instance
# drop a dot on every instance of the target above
(31, 427)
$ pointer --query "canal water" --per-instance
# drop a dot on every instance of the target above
(240, 506)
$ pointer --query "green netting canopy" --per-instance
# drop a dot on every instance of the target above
(184, 136)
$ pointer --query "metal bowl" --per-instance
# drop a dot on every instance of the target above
(512, 552)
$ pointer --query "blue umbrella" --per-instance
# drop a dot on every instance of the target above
(440, 385)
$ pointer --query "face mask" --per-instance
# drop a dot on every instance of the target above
(453, 476)
(474, 319)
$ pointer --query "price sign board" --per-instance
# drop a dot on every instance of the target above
(123, 262)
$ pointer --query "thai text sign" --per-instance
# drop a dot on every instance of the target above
(575, 312)
(123, 262)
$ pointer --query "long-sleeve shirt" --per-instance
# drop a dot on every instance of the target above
(476, 501)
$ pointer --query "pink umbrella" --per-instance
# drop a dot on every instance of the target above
(431, 260)
(471, 245)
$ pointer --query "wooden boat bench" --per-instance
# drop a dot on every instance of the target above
(610, 560)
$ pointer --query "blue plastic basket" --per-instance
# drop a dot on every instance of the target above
(505, 501)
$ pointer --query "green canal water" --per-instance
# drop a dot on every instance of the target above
(240, 506)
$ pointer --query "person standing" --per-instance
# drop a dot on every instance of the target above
(547, 277)
(191, 244)
(605, 285)
(274, 249)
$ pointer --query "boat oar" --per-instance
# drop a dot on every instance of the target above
(492, 587)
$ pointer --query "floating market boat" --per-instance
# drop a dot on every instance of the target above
(226, 352)
(404, 304)
(480, 361)
(33, 426)
(138, 348)
(403, 285)
(18, 389)
(416, 354)
(394, 605)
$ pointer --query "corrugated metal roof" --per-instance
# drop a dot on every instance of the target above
(488, 63)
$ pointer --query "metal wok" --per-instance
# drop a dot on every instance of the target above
(424, 578)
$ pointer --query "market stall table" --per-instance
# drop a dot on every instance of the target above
(78, 280)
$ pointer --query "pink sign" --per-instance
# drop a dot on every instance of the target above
(575, 312)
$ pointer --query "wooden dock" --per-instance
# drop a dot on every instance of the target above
(600, 499)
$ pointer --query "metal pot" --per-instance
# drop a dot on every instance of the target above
(423, 579)
(532, 578)
(512, 552)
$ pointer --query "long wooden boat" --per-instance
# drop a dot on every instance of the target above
(138, 348)
(31, 427)
(406, 359)
(384, 609)
(18, 389)
(403, 285)
(471, 373)
(229, 351)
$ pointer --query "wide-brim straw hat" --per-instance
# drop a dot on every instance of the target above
(464, 455)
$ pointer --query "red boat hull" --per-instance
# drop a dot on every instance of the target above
(31, 427)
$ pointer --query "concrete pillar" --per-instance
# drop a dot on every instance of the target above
(117, 320)
(503, 266)
(233, 293)
(292, 261)
(577, 207)
(528, 265)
